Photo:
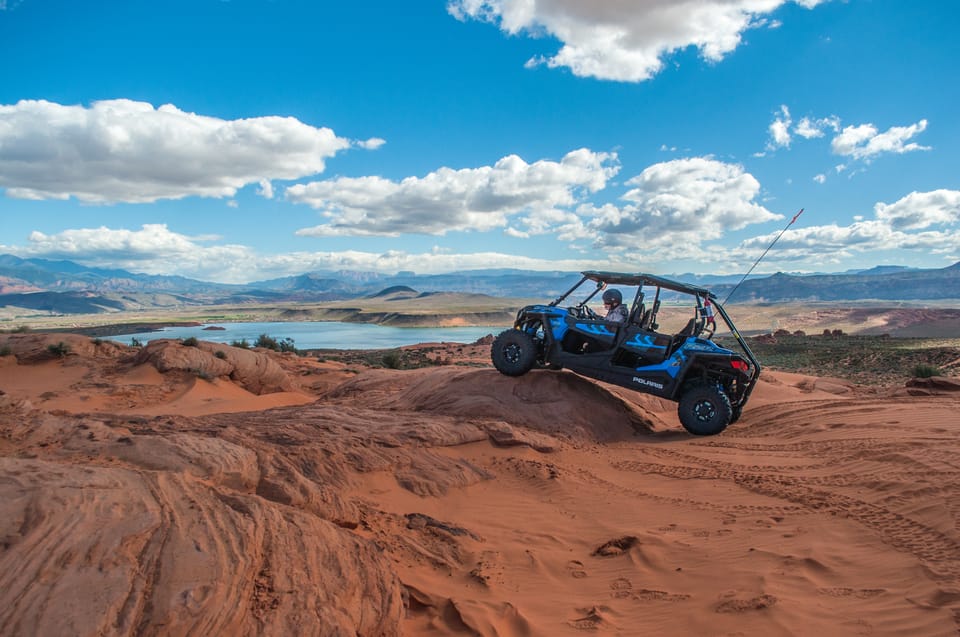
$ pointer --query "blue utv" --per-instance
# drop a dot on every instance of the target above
(710, 383)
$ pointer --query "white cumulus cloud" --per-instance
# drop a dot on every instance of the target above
(151, 249)
(155, 249)
(371, 144)
(920, 210)
(865, 141)
(810, 128)
(624, 40)
(108, 245)
(780, 129)
(469, 199)
(893, 227)
(266, 189)
(680, 204)
(675, 210)
(126, 151)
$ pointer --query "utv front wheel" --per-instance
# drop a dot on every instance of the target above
(704, 410)
(513, 353)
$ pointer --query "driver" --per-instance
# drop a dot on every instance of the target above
(613, 302)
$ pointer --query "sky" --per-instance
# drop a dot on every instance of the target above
(243, 140)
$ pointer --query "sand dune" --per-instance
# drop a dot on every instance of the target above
(138, 496)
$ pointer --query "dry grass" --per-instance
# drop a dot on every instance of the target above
(866, 360)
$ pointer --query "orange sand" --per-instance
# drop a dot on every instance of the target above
(220, 496)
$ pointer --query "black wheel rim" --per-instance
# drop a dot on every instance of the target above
(512, 353)
(705, 410)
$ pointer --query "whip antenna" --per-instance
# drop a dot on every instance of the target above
(795, 217)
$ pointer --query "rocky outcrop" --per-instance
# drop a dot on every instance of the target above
(127, 532)
(254, 370)
(932, 386)
(34, 348)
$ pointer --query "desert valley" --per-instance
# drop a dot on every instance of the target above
(480, 318)
(200, 485)
(198, 488)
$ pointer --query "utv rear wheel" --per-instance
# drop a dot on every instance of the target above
(704, 410)
(737, 411)
(513, 353)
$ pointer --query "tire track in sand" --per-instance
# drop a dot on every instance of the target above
(929, 545)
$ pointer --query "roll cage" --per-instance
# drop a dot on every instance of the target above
(709, 381)
(702, 325)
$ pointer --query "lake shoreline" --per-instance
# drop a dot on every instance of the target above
(116, 329)
(302, 335)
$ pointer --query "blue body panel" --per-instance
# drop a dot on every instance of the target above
(675, 363)
(556, 317)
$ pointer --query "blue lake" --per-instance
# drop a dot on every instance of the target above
(321, 335)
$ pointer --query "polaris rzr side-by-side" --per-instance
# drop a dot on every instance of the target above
(710, 383)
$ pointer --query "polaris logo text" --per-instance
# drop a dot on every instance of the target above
(649, 383)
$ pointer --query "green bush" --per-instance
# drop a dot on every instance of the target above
(220, 354)
(242, 344)
(60, 350)
(267, 341)
(392, 360)
(190, 341)
(926, 371)
(286, 345)
(283, 345)
(136, 342)
(5, 351)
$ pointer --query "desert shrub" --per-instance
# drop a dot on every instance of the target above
(392, 360)
(5, 351)
(926, 371)
(203, 375)
(868, 360)
(242, 344)
(23, 329)
(220, 353)
(282, 345)
(267, 341)
(190, 341)
(60, 350)
(136, 342)
(96, 341)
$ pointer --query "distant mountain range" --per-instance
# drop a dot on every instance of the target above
(884, 283)
(65, 287)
